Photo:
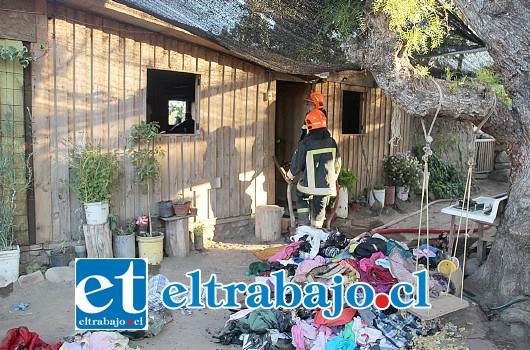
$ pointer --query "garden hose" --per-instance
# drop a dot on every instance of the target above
(488, 309)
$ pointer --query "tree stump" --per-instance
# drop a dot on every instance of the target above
(98, 240)
(268, 222)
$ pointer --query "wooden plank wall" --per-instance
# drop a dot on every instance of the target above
(91, 87)
(378, 111)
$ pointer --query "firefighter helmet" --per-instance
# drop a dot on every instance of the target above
(318, 99)
(316, 119)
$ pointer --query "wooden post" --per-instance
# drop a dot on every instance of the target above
(98, 239)
(177, 235)
(268, 222)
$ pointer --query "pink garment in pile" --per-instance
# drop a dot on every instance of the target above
(286, 252)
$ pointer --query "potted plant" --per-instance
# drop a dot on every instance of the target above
(198, 231)
(377, 193)
(144, 157)
(356, 203)
(403, 171)
(93, 178)
(15, 180)
(123, 240)
(61, 255)
(181, 206)
(347, 180)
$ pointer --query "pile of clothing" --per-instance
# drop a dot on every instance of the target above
(315, 255)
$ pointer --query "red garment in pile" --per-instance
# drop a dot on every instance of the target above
(22, 339)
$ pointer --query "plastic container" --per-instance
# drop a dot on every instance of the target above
(402, 193)
(9, 266)
(123, 246)
(165, 209)
(96, 213)
(379, 194)
(59, 259)
(151, 248)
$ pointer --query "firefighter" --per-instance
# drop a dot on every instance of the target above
(317, 160)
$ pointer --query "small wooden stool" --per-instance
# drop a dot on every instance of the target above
(268, 222)
(177, 235)
(98, 240)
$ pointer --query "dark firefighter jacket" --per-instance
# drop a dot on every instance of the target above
(318, 160)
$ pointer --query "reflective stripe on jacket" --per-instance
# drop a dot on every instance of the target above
(318, 160)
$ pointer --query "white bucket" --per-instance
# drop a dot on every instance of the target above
(402, 193)
(379, 195)
(9, 266)
(96, 213)
(342, 207)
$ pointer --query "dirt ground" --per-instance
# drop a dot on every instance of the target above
(51, 310)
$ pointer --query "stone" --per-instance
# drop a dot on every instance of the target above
(34, 277)
(502, 157)
(60, 274)
(518, 330)
(501, 175)
(503, 166)
(471, 267)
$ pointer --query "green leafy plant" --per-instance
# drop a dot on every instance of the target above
(444, 180)
(22, 55)
(63, 248)
(128, 229)
(181, 200)
(402, 169)
(347, 179)
(144, 157)
(15, 178)
(379, 187)
(420, 24)
(94, 173)
(199, 227)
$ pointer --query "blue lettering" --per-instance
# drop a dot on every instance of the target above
(423, 290)
(280, 291)
(259, 296)
(171, 290)
(231, 290)
(395, 295)
(317, 299)
(337, 291)
(368, 295)
(211, 293)
(195, 289)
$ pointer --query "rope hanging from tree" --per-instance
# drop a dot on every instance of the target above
(467, 196)
(395, 128)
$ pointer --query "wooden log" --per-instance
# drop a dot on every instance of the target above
(177, 235)
(98, 239)
(268, 222)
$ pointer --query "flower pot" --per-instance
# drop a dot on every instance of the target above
(390, 195)
(342, 207)
(379, 195)
(96, 213)
(80, 250)
(182, 209)
(59, 259)
(143, 229)
(356, 206)
(402, 193)
(123, 246)
(197, 241)
(165, 209)
(9, 266)
(194, 211)
(151, 248)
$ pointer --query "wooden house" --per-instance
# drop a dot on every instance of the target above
(109, 67)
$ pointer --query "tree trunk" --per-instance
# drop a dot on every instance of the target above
(505, 27)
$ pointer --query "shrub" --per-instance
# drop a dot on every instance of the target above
(402, 169)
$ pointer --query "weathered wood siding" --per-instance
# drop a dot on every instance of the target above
(91, 86)
(378, 111)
